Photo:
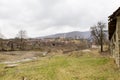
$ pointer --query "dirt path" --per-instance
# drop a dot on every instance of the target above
(12, 64)
(18, 61)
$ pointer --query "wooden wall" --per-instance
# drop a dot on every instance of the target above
(115, 43)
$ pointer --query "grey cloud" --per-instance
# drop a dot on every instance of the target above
(43, 17)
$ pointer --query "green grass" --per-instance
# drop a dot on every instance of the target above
(64, 67)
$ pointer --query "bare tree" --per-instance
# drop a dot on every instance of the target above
(98, 34)
(22, 35)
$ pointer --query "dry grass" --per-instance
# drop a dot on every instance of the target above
(77, 65)
(18, 55)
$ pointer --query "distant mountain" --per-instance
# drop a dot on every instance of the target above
(73, 35)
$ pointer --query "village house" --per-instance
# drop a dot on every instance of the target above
(114, 35)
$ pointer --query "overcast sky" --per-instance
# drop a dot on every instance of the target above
(44, 17)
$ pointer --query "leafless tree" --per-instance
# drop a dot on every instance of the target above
(98, 34)
(22, 36)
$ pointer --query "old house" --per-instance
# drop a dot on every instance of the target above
(114, 35)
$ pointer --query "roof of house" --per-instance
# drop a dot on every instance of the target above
(115, 14)
(112, 22)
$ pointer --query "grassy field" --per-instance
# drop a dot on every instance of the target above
(72, 66)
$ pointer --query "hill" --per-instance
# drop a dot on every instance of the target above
(73, 35)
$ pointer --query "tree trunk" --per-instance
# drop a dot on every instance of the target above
(101, 45)
(101, 40)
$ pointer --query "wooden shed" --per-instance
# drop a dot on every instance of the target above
(114, 35)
